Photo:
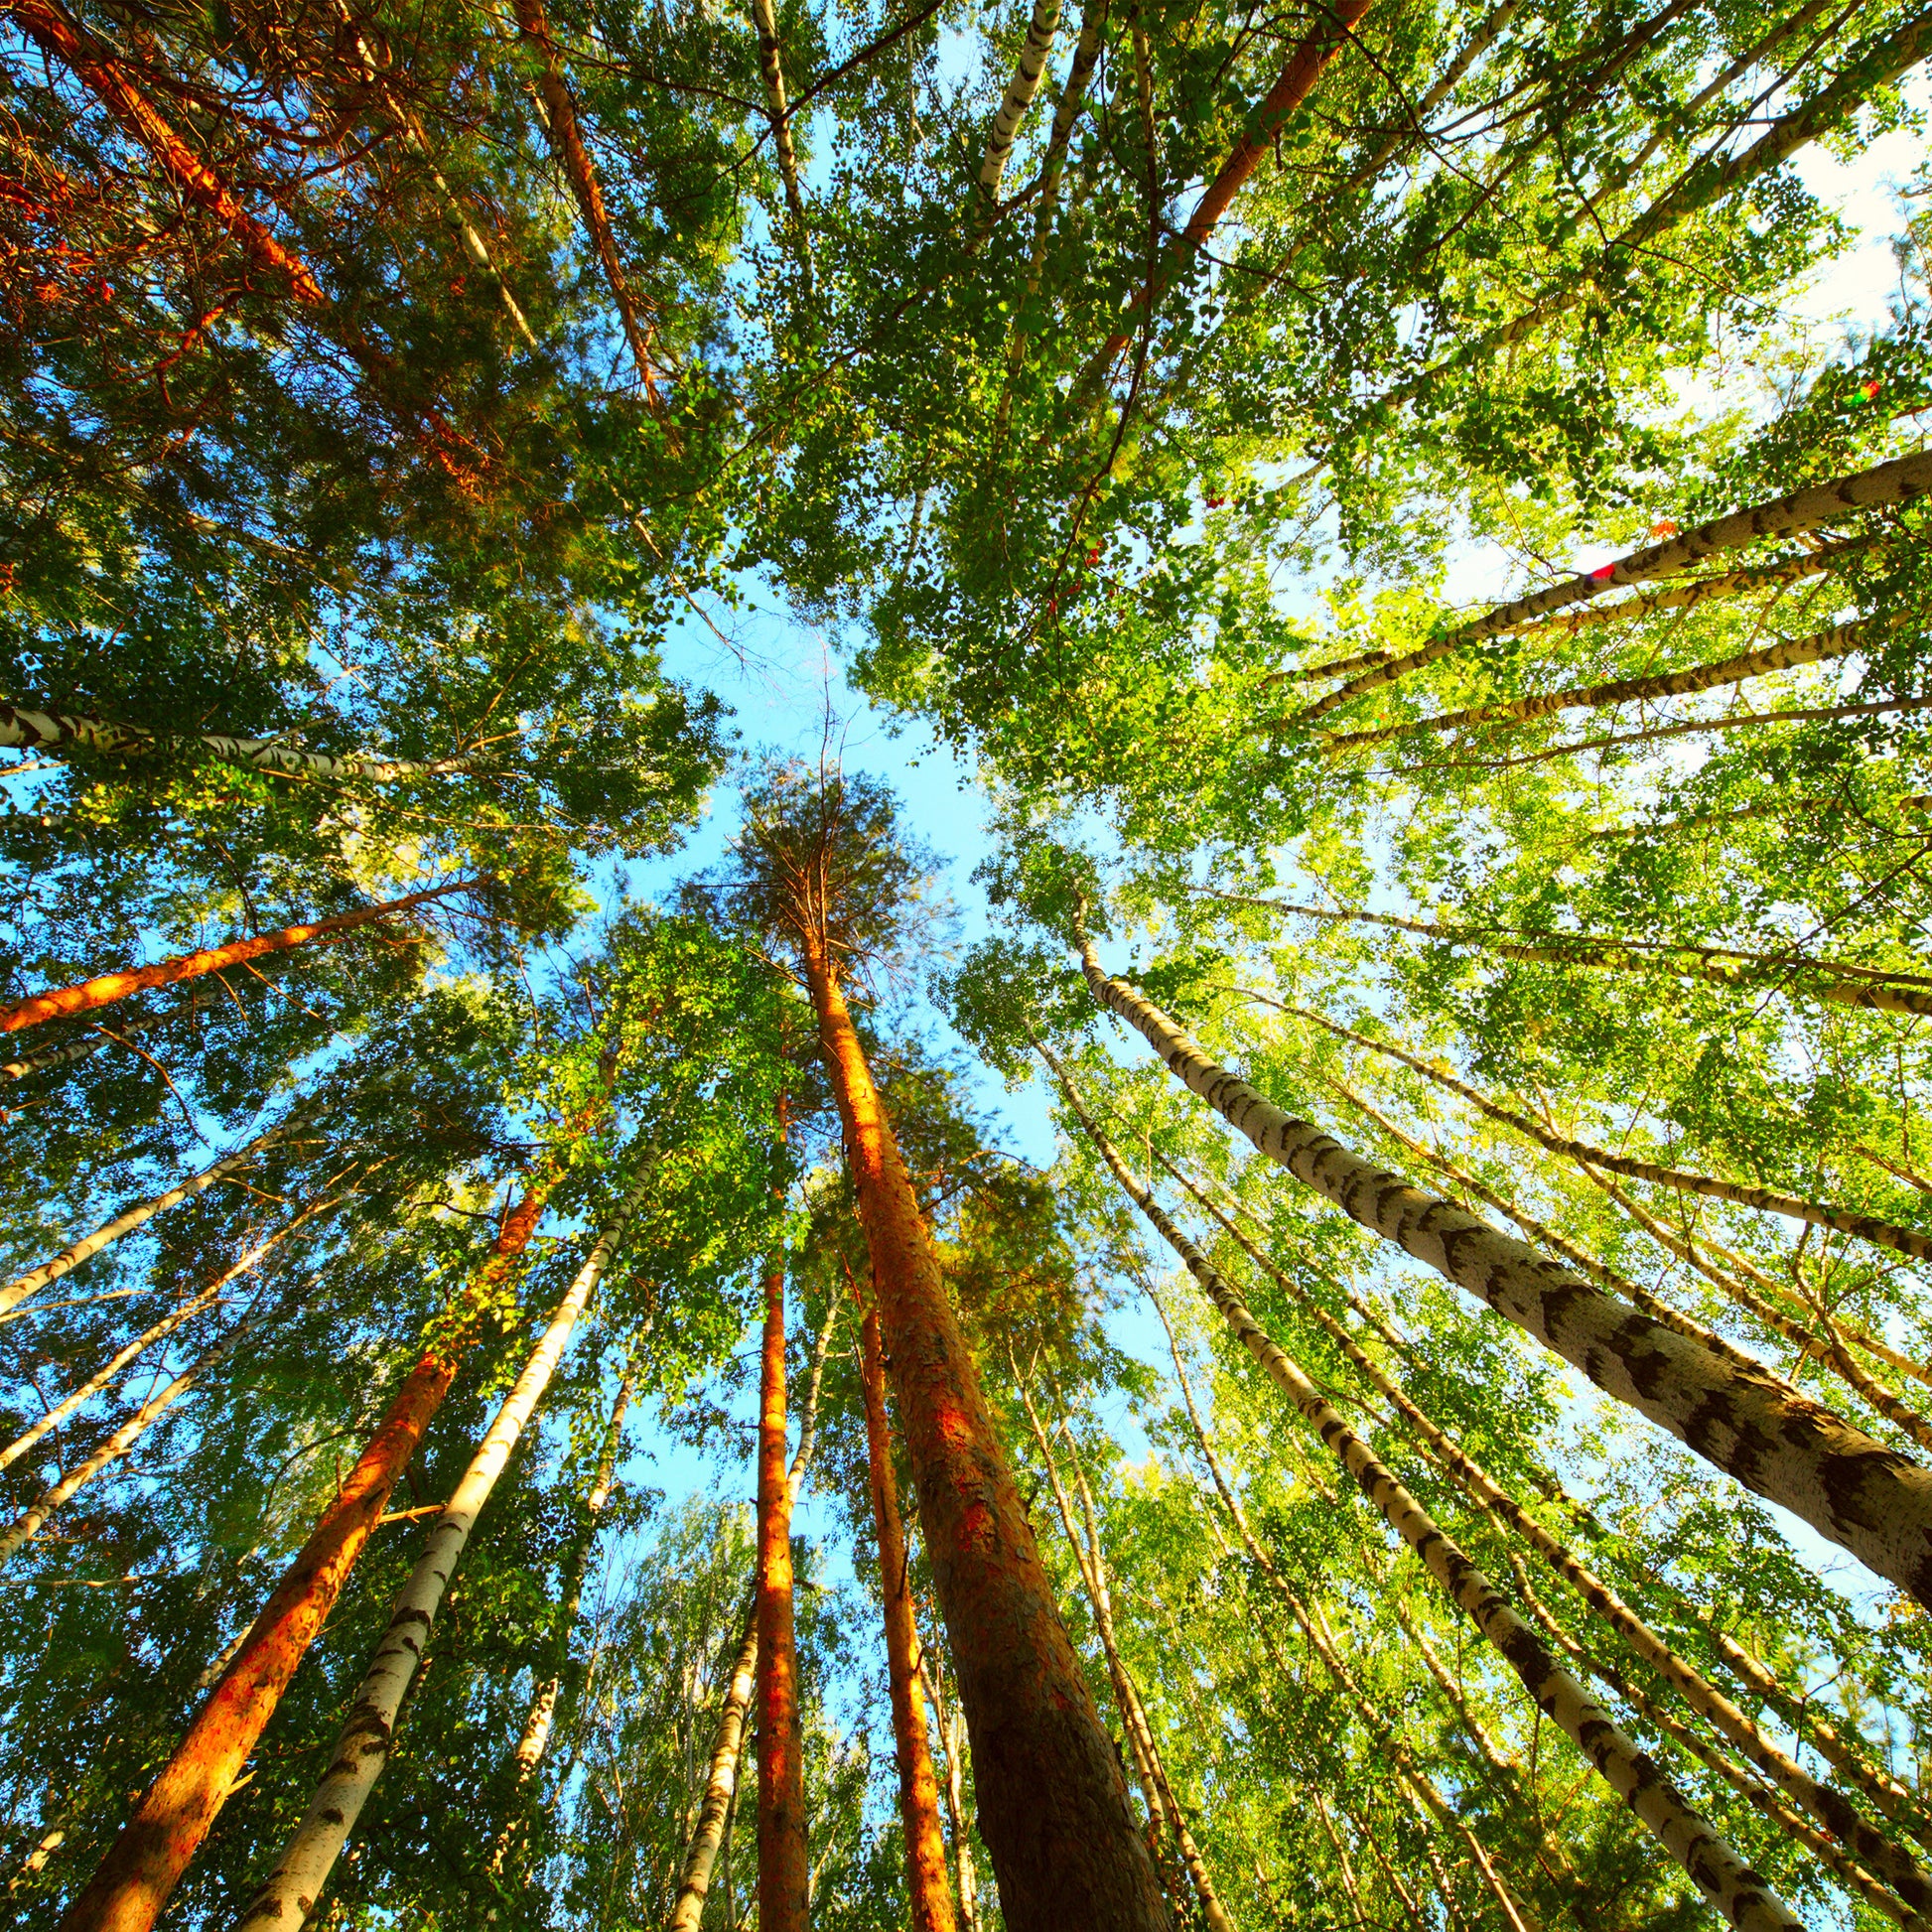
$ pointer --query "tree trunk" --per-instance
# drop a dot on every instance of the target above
(110, 986)
(1743, 1894)
(129, 1218)
(1840, 983)
(1829, 1805)
(779, 114)
(721, 1781)
(551, 1703)
(1866, 1498)
(1021, 90)
(161, 1330)
(783, 1865)
(1868, 1227)
(1897, 481)
(60, 38)
(362, 1750)
(85, 1045)
(1054, 1809)
(58, 731)
(156, 1846)
(918, 1787)
(1821, 648)
(1304, 67)
(31, 1521)
(952, 1735)
(567, 141)
(1162, 1805)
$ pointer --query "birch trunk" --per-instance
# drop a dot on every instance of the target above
(1837, 983)
(60, 38)
(779, 114)
(129, 1218)
(33, 1519)
(1021, 90)
(1163, 1806)
(1897, 481)
(103, 991)
(721, 1781)
(296, 1882)
(1548, 1237)
(83, 1047)
(1825, 1802)
(552, 1700)
(1053, 1808)
(918, 1786)
(784, 1864)
(146, 1861)
(1866, 1498)
(1865, 1227)
(1821, 648)
(1740, 1894)
(161, 1330)
(61, 731)
(1853, 1878)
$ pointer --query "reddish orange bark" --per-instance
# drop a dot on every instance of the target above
(63, 40)
(783, 1869)
(918, 1786)
(567, 137)
(1052, 1804)
(1304, 68)
(110, 986)
(133, 1882)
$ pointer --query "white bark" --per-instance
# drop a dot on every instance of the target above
(363, 1748)
(1866, 1498)
(1019, 94)
(30, 1523)
(130, 1218)
(141, 1343)
(61, 731)
(1744, 1896)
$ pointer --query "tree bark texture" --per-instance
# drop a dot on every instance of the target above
(1019, 94)
(296, 1882)
(1053, 1806)
(1867, 1498)
(784, 1866)
(1742, 1895)
(1866, 1227)
(1821, 648)
(104, 990)
(1828, 1805)
(918, 1785)
(1897, 481)
(157, 1843)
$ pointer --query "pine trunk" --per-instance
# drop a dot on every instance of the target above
(61, 40)
(783, 1865)
(918, 1786)
(135, 1880)
(1864, 1496)
(103, 991)
(1052, 1807)
(363, 1748)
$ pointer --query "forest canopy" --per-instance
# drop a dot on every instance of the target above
(541, 1387)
